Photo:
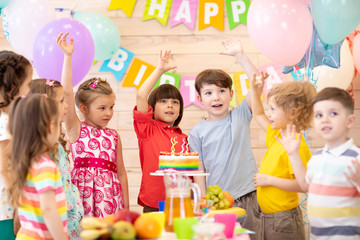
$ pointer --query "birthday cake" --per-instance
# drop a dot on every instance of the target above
(179, 161)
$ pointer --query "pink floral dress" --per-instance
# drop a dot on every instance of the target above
(95, 171)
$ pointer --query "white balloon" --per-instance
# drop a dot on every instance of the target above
(336, 77)
(22, 21)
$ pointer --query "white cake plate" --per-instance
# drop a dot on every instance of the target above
(185, 173)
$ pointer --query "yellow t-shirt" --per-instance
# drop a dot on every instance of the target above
(276, 163)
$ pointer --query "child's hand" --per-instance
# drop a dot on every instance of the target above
(68, 49)
(164, 60)
(289, 142)
(261, 180)
(354, 174)
(257, 82)
(232, 47)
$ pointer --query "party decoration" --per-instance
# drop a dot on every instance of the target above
(127, 6)
(48, 57)
(280, 29)
(211, 13)
(324, 76)
(237, 11)
(159, 11)
(104, 32)
(275, 76)
(356, 51)
(242, 85)
(138, 72)
(188, 91)
(169, 78)
(318, 53)
(118, 63)
(335, 19)
(4, 3)
(233, 100)
(22, 21)
(184, 11)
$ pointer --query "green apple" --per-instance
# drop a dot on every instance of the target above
(123, 230)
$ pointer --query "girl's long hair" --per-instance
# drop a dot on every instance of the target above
(49, 87)
(13, 72)
(29, 124)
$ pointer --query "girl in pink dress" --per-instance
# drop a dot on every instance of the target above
(99, 171)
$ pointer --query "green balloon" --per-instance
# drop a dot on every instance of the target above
(335, 19)
(104, 32)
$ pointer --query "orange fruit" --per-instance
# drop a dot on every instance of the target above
(147, 226)
(109, 220)
(229, 198)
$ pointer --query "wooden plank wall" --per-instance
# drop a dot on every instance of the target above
(193, 51)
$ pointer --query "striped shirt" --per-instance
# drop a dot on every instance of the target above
(43, 176)
(334, 201)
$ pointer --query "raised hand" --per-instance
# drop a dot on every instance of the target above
(232, 47)
(68, 49)
(354, 172)
(164, 61)
(289, 141)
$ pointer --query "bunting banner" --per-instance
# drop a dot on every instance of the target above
(170, 78)
(118, 64)
(158, 9)
(184, 11)
(233, 100)
(242, 85)
(138, 72)
(211, 13)
(237, 12)
(127, 6)
(188, 91)
(275, 76)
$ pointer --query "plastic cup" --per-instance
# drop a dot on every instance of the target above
(183, 227)
(161, 205)
(229, 220)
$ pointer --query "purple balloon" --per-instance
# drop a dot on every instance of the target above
(48, 57)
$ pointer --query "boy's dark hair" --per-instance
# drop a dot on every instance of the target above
(335, 94)
(213, 76)
(166, 91)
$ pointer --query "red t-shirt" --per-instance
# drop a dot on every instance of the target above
(154, 136)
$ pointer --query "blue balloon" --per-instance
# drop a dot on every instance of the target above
(335, 19)
(318, 53)
(4, 3)
(104, 32)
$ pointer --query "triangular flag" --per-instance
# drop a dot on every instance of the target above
(127, 6)
(237, 12)
(138, 72)
(211, 13)
(188, 91)
(184, 11)
(169, 78)
(159, 11)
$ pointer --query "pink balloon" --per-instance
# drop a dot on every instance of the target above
(280, 29)
(48, 57)
(356, 51)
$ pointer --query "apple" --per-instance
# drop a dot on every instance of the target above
(123, 231)
(126, 215)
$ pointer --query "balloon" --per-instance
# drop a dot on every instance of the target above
(48, 57)
(280, 29)
(22, 21)
(4, 3)
(335, 19)
(332, 77)
(356, 51)
(104, 32)
(318, 53)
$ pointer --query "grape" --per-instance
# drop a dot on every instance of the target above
(221, 204)
(207, 196)
(215, 193)
(221, 195)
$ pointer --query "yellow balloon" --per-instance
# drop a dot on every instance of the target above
(336, 77)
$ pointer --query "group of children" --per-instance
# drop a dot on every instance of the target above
(42, 198)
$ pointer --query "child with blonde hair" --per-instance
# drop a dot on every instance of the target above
(15, 75)
(33, 179)
(75, 210)
(157, 115)
(288, 103)
(99, 171)
(332, 177)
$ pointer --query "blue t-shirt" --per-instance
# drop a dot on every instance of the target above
(225, 149)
